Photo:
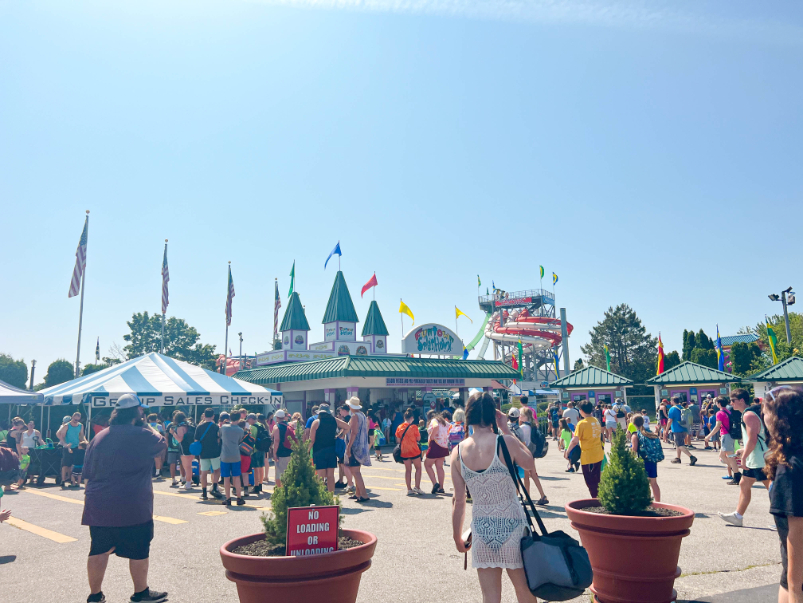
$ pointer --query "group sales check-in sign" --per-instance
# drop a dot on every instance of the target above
(312, 530)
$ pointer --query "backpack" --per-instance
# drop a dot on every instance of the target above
(456, 435)
(735, 425)
(538, 444)
(247, 444)
(263, 440)
(650, 448)
(620, 412)
(685, 417)
(287, 437)
(9, 466)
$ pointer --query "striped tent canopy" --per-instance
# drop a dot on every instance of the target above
(159, 381)
(14, 395)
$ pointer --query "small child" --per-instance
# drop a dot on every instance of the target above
(565, 434)
(422, 429)
(76, 476)
(714, 437)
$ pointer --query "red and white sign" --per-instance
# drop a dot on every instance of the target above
(312, 530)
(519, 301)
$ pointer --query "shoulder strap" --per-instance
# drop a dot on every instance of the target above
(520, 488)
(208, 427)
(404, 433)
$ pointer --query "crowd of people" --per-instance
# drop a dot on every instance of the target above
(229, 453)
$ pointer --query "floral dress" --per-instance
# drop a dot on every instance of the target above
(498, 522)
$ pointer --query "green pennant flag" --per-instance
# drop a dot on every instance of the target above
(292, 279)
(521, 365)
(479, 282)
(773, 343)
(607, 358)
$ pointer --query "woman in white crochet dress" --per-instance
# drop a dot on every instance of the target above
(498, 521)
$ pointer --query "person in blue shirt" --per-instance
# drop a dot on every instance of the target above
(310, 421)
(679, 431)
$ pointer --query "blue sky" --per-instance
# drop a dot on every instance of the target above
(647, 152)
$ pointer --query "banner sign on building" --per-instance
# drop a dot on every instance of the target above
(312, 530)
(426, 382)
(518, 301)
(432, 340)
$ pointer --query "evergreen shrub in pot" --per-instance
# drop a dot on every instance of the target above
(633, 544)
(258, 565)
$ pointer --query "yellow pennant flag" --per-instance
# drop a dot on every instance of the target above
(405, 309)
(458, 313)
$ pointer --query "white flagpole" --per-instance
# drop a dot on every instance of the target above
(162, 342)
(81, 311)
(226, 344)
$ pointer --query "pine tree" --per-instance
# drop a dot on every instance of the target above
(300, 488)
(624, 488)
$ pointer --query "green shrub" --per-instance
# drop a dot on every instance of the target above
(624, 488)
(300, 488)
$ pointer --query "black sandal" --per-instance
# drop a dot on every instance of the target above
(362, 500)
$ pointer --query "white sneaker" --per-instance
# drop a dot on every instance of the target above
(732, 519)
(418, 491)
(412, 493)
(351, 490)
(187, 487)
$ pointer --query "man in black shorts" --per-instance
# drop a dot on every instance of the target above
(119, 498)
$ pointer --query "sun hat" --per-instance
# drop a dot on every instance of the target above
(129, 401)
(323, 407)
(354, 403)
(513, 412)
(279, 414)
(66, 419)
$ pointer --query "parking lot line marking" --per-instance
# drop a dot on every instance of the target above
(379, 477)
(75, 501)
(213, 513)
(43, 532)
(388, 489)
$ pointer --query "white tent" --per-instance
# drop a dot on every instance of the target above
(159, 381)
(14, 395)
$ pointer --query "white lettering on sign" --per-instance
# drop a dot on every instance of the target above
(306, 552)
(305, 528)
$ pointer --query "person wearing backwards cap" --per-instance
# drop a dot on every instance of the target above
(119, 497)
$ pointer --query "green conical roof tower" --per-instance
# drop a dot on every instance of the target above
(294, 317)
(374, 323)
(340, 306)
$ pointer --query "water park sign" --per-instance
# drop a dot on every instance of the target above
(518, 301)
(432, 340)
(423, 381)
(312, 530)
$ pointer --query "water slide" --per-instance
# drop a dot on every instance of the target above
(534, 332)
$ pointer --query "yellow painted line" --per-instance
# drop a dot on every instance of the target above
(379, 477)
(213, 513)
(75, 501)
(388, 489)
(43, 532)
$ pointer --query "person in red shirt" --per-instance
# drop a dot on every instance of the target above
(409, 436)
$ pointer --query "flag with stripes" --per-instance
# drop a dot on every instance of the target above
(97, 352)
(229, 297)
(277, 304)
(80, 262)
(165, 280)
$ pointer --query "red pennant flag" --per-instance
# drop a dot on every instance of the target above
(369, 284)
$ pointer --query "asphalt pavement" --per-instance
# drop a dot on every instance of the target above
(43, 549)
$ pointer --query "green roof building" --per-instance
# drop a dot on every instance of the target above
(592, 383)
(375, 330)
(294, 325)
(691, 382)
(340, 308)
(788, 372)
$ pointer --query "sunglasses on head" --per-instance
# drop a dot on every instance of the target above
(771, 393)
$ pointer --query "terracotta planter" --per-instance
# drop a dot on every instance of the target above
(635, 559)
(331, 577)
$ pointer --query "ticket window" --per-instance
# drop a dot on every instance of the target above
(603, 399)
(684, 397)
(578, 398)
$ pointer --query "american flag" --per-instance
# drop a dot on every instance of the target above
(165, 280)
(229, 299)
(80, 262)
(276, 307)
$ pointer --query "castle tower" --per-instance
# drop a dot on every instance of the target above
(294, 325)
(340, 319)
(375, 331)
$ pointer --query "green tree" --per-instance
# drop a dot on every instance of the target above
(300, 488)
(578, 364)
(59, 371)
(742, 356)
(705, 357)
(633, 350)
(180, 341)
(93, 368)
(783, 350)
(671, 360)
(624, 488)
(688, 344)
(13, 372)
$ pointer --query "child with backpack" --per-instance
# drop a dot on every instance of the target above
(647, 446)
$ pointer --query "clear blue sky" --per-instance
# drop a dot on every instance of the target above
(647, 152)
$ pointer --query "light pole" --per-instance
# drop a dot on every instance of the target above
(33, 368)
(787, 298)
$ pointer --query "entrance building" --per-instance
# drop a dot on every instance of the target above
(691, 382)
(592, 383)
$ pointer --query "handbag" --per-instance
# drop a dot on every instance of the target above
(196, 446)
(397, 450)
(556, 565)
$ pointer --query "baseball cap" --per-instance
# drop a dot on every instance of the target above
(279, 414)
(224, 416)
(513, 412)
(251, 416)
(129, 401)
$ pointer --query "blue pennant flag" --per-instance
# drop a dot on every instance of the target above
(557, 363)
(337, 251)
(720, 353)
(465, 353)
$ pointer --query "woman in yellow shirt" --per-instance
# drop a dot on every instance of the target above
(588, 435)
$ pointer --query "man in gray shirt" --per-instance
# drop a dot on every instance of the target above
(230, 438)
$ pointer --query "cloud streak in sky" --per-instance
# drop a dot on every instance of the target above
(633, 14)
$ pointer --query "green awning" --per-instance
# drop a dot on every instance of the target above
(691, 373)
(592, 377)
